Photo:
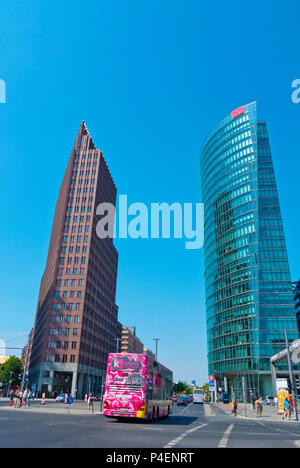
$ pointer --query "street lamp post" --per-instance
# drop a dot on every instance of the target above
(244, 395)
(217, 381)
(117, 340)
(24, 381)
(10, 375)
(102, 392)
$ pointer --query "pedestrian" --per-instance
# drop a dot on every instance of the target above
(43, 399)
(25, 397)
(259, 406)
(234, 407)
(276, 401)
(253, 402)
(20, 399)
(91, 402)
(11, 398)
(16, 399)
(29, 397)
(287, 409)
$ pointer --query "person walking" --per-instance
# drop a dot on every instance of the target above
(276, 402)
(43, 399)
(234, 407)
(25, 397)
(91, 402)
(11, 398)
(253, 402)
(16, 398)
(259, 406)
(287, 409)
(20, 399)
(29, 397)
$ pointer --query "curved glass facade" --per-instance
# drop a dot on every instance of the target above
(249, 299)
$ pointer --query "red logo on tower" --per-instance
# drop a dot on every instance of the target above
(237, 112)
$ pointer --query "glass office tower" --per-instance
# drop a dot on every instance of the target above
(249, 300)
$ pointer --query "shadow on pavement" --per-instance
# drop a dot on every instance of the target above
(171, 421)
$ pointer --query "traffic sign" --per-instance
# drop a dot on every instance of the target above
(211, 383)
(211, 378)
(70, 400)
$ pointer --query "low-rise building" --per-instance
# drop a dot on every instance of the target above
(149, 353)
(130, 343)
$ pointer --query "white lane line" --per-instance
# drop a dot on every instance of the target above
(184, 410)
(276, 429)
(182, 436)
(224, 441)
(291, 433)
(195, 428)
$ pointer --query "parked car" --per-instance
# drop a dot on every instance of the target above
(60, 398)
(269, 400)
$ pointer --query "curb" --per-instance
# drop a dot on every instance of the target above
(44, 410)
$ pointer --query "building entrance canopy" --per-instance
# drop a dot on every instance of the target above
(282, 356)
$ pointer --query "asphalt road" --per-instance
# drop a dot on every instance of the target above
(189, 427)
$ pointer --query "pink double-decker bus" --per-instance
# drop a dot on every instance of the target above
(137, 387)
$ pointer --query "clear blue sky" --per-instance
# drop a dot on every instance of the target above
(150, 78)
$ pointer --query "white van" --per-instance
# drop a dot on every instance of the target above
(198, 396)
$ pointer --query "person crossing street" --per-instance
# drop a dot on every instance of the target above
(234, 407)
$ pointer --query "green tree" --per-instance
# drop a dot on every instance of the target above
(182, 387)
(11, 371)
(205, 388)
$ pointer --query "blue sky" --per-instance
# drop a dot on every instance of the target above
(150, 78)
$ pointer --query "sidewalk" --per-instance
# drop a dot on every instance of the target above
(270, 413)
(50, 407)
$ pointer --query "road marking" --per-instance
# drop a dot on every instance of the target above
(182, 436)
(291, 433)
(184, 410)
(259, 422)
(276, 429)
(195, 428)
(153, 429)
(224, 441)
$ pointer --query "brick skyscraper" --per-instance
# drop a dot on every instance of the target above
(77, 319)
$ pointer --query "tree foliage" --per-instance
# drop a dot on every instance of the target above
(11, 371)
(182, 387)
(205, 388)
